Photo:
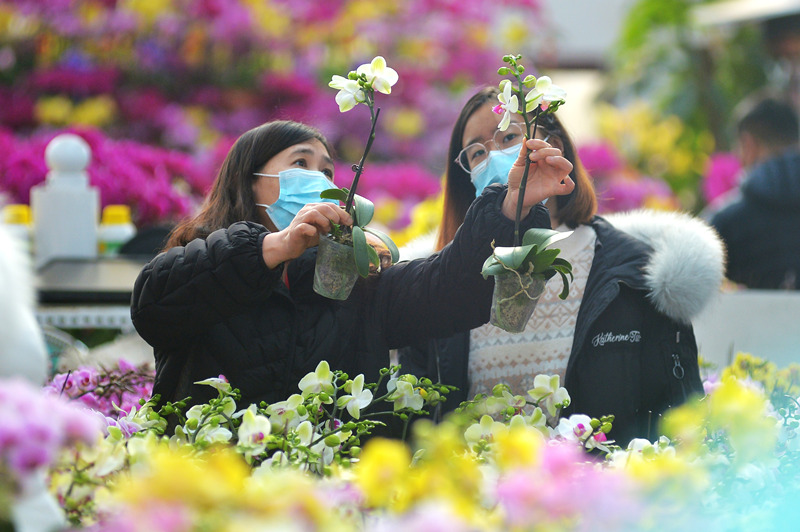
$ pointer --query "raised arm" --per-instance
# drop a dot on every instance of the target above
(446, 293)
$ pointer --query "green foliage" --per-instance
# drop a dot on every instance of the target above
(698, 74)
(363, 211)
(532, 257)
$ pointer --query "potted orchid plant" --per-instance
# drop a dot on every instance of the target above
(522, 271)
(344, 254)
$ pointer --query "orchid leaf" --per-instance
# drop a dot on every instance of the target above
(562, 264)
(360, 249)
(565, 292)
(339, 194)
(373, 256)
(543, 237)
(514, 257)
(363, 210)
(390, 245)
(543, 260)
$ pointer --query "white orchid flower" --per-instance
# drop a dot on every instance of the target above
(321, 380)
(495, 404)
(350, 93)
(485, 429)
(380, 76)
(284, 415)
(509, 104)
(211, 430)
(574, 428)
(543, 93)
(357, 399)
(253, 432)
(548, 395)
(220, 383)
(404, 395)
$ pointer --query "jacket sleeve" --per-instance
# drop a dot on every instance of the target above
(187, 289)
(446, 293)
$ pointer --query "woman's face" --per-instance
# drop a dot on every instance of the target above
(482, 126)
(310, 155)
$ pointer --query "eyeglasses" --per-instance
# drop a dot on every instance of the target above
(476, 153)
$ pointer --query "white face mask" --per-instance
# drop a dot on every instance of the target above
(298, 187)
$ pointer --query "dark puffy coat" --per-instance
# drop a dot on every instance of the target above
(213, 307)
(761, 228)
(634, 353)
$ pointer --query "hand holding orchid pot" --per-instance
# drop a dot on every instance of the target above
(346, 247)
(521, 271)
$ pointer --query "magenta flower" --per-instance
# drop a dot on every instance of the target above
(36, 426)
(722, 175)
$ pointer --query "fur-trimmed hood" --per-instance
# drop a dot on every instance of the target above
(687, 266)
(685, 270)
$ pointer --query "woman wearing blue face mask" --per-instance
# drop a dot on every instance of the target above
(232, 292)
(641, 278)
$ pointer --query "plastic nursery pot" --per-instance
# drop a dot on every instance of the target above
(335, 273)
(514, 300)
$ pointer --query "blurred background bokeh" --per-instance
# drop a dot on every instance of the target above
(160, 89)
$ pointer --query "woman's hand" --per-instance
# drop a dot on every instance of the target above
(548, 176)
(313, 220)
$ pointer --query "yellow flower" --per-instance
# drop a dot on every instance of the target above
(382, 471)
(273, 19)
(668, 475)
(687, 424)
(53, 110)
(406, 123)
(425, 217)
(520, 446)
(99, 111)
(149, 10)
(199, 482)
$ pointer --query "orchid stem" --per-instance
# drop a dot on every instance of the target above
(524, 183)
(351, 195)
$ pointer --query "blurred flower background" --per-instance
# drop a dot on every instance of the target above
(160, 89)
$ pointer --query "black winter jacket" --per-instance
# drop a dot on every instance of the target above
(634, 353)
(761, 228)
(213, 307)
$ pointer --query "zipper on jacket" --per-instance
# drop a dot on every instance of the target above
(678, 372)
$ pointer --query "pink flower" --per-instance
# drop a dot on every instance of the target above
(722, 175)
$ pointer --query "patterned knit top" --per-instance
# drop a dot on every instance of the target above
(544, 346)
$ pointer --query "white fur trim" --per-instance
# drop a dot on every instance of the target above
(419, 248)
(687, 266)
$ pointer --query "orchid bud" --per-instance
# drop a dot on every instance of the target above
(355, 451)
(595, 423)
(503, 71)
(520, 69)
(192, 423)
(411, 379)
(332, 440)
(605, 427)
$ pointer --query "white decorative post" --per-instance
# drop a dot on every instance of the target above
(65, 208)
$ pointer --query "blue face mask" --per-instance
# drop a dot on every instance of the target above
(299, 187)
(494, 169)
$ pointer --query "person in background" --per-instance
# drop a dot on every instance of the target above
(761, 225)
(622, 342)
(232, 293)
